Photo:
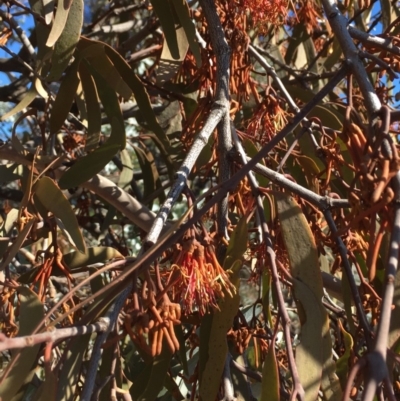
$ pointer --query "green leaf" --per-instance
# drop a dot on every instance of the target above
(126, 176)
(151, 381)
(329, 116)
(10, 172)
(112, 108)
(67, 30)
(237, 244)
(48, 389)
(347, 301)
(182, 347)
(90, 165)
(149, 169)
(183, 12)
(45, 9)
(167, 21)
(65, 97)
(98, 254)
(386, 9)
(59, 23)
(25, 102)
(334, 57)
(140, 93)
(169, 65)
(251, 151)
(266, 292)
(69, 374)
(342, 365)
(213, 344)
(55, 201)
(295, 43)
(314, 354)
(270, 381)
(92, 108)
(23, 361)
(17, 243)
(299, 242)
(309, 357)
(96, 55)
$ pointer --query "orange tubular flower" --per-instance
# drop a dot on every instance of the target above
(199, 280)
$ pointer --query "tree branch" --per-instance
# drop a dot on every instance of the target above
(53, 335)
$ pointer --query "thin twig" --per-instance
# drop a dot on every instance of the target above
(376, 361)
(322, 202)
(20, 32)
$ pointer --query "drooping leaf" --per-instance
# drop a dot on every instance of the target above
(17, 243)
(98, 254)
(25, 102)
(96, 55)
(169, 65)
(140, 93)
(334, 56)
(314, 353)
(182, 347)
(309, 357)
(151, 381)
(45, 9)
(296, 45)
(64, 99)
(150, 174)
(22, 361)
(270, 381)
(237, 244)
(10, 172)
(166, 17)
(182, 10)
(81, 104)
(48, 389)
(216, 348)
(251, 150)
(329, 115)
(92, 108)
(58, 24)
(112, 109)
(213, 344)
(126, 175)
(84, 169)
(55, 201)
(69, 374)
(67, 29)
(266, 292)
(342, 365)
(48, 9)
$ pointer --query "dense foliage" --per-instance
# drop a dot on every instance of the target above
(199, 200)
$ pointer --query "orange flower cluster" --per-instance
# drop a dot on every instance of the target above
(197, 279)
(267, 11)
(269, 119)
(155, 327)
(309, 14)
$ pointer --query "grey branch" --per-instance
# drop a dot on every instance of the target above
(53, 335)
(339, 26)
(381, 43)
(218, 112)
(322, 202)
